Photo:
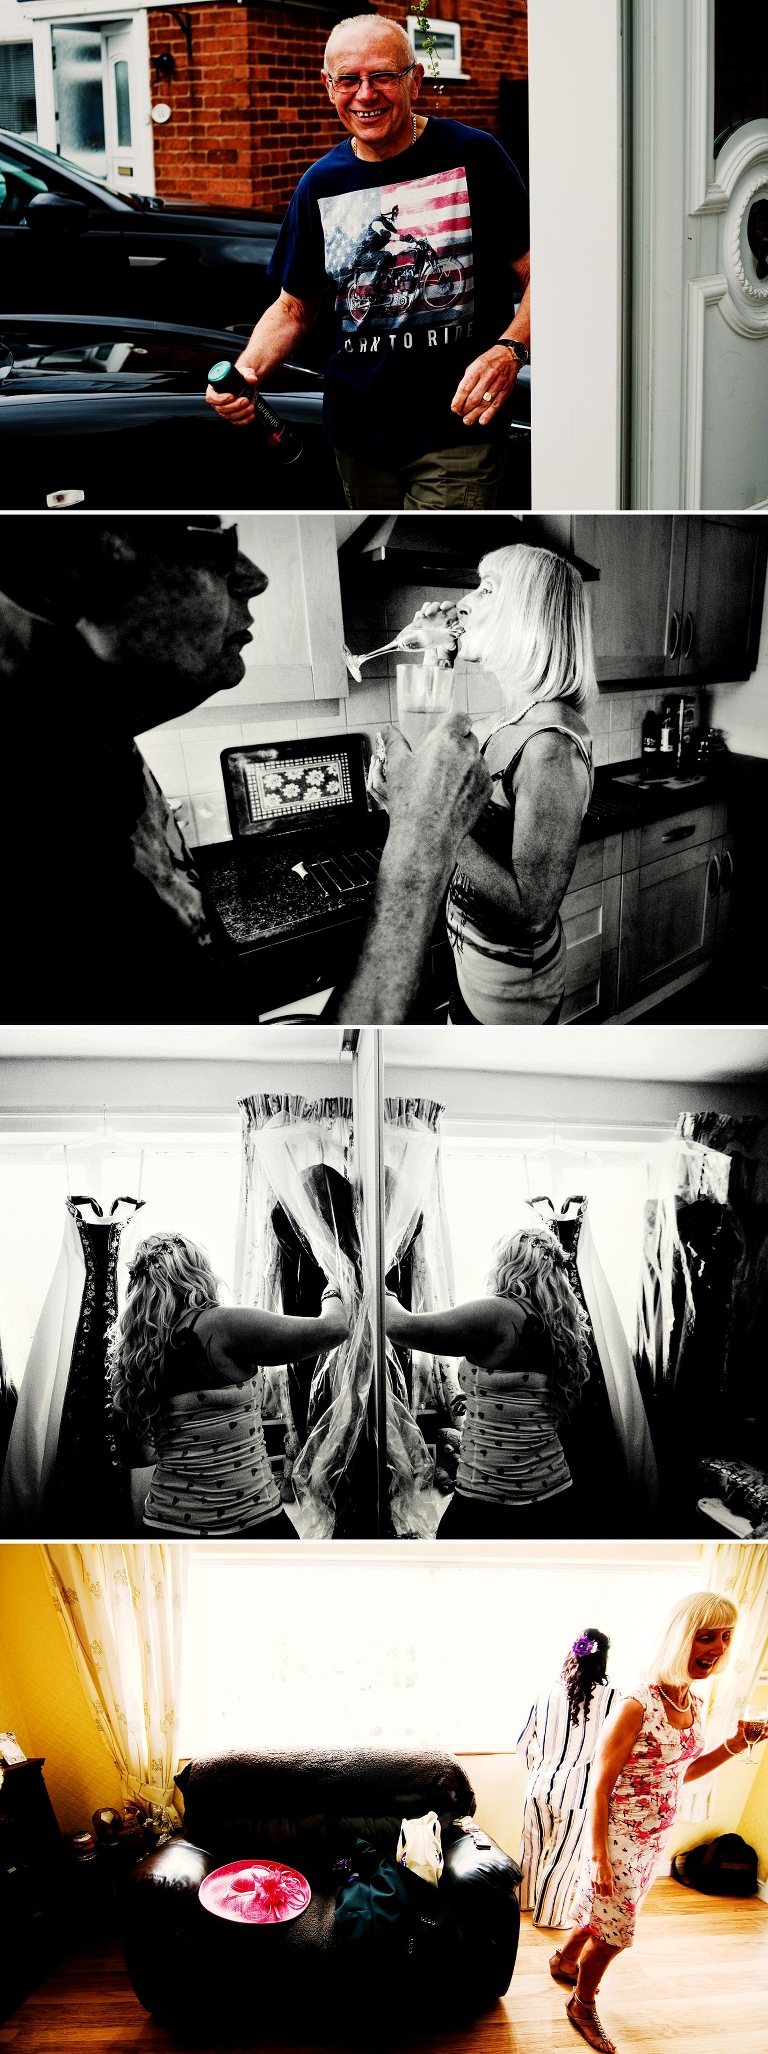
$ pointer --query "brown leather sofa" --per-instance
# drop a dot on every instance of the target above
(194, 1970)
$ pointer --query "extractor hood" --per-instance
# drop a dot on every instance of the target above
(445, 548)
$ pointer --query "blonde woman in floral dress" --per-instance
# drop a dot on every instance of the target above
(651, 1747)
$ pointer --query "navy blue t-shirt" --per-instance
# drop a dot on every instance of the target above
(411, 257)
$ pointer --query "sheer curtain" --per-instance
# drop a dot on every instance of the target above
(121, 1610)
(297, 1154)
(739, 1572)
(416, 1224)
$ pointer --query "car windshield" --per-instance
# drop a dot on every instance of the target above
(36, 158)
(58, 360)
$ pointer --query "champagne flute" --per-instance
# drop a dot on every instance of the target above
(353, 663)
(754, 1722)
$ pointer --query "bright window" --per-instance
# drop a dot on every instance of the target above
(368, 1649)
(189, 1182)
(489, 1182)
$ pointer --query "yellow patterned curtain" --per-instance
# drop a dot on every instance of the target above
(121, 1610)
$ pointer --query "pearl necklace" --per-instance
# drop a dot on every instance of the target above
(673, 1700)
(363, 160)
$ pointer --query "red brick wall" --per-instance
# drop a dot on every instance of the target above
(249, 113)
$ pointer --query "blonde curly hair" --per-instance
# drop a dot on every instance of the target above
(529, 1266)
(169, 1276)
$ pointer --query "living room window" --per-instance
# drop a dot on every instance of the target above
(425, 1650)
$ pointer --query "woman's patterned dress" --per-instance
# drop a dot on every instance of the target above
(641, 1815)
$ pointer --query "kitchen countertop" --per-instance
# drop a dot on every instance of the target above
(616, 806)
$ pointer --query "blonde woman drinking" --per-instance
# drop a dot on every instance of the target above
(187, 1381)
(528, 624)
(648, 1751)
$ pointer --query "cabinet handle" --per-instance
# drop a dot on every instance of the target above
(687, 637)
(674, 634)
(726, 879)
(713, 876)
(680, 834)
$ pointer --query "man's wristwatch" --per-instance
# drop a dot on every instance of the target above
(518, 348)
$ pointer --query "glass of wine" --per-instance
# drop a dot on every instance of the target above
(754, 1723)
(424, 696)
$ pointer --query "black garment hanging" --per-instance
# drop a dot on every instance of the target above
(89, 1490)
(588, 1435)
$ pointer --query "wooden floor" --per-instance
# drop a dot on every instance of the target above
(696, 1982)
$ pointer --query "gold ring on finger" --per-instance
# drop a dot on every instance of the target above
(487, 398)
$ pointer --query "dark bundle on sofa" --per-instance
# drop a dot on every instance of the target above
(189, 1967)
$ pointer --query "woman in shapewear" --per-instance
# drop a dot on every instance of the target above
(187, 1381)
(558, 1742)
(528, 624)
(650, 1748)
(525, 1349)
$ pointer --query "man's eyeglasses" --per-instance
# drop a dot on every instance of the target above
(210, 547)
(348, 82)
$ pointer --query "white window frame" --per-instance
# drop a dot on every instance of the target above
(448, 65)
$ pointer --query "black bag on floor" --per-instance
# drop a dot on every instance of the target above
(726, 1867)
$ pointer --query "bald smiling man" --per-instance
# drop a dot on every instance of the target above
(412, 236)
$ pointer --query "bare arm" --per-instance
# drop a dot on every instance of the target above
(480, 1328)
(432, 797)
(240, 1336)
(615, 1747)
(279, 331)
(549, 794)
(497, 368)
(718, 1756)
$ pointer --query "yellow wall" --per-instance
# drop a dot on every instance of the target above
(753, 1824)
(41, 1698)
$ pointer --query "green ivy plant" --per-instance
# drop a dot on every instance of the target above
(429, 44)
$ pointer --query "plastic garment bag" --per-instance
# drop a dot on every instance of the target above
(297, 1154)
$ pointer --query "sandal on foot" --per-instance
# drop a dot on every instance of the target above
(588, 2024)
(561, 1975)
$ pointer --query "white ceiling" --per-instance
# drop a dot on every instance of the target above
(312, 1044)
(661, 1054)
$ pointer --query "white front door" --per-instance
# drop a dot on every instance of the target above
(100, 101)
(119, 116)
(699, 399)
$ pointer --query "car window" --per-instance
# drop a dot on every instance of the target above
(54, 357)
(17, 187)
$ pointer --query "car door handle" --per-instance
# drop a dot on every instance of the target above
(145, 262)
(70, 496)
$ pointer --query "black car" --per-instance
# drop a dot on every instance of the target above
(111, 412)
(67, 241)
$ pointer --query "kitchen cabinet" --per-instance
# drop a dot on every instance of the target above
(591, 915)
(295, 653)
(679, 596)
(670, 901)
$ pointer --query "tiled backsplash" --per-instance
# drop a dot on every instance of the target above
(185, 757)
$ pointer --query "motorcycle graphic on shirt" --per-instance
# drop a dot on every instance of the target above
(401, 254)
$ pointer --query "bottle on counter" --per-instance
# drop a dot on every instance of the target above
(650, 742)
(667, 736)
(685, 720)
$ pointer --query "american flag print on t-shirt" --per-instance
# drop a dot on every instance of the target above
(401, 255)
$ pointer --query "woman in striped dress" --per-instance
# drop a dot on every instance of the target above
(526, 1354)
(187, 1381)
(559, 1740)
(528, 624)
